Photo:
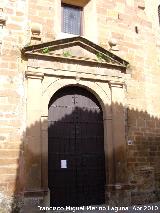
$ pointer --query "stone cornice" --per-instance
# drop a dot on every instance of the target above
(47, 51)
(77, 60)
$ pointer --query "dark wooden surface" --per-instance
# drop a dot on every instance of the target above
(76, 135)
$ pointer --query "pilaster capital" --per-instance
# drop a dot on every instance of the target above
(34, 75)
(118, 84)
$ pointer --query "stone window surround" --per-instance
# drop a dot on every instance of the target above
(159, 13)
(89, 16)
(152, 14)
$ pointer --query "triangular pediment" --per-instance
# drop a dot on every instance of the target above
(75, 49)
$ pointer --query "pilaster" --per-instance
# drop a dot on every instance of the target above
(33, 131)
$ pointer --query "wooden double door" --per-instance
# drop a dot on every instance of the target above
(76, 160)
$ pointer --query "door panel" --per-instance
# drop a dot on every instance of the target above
(76, 149)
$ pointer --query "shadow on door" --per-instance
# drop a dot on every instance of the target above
(76, 160)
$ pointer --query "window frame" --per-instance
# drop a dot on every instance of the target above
(81, 17)
(159, 14)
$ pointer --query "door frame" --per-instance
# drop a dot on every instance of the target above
(74, 92)
(104, 96)
(111, 96)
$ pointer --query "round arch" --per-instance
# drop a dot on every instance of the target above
(76, 133)
(103, 94)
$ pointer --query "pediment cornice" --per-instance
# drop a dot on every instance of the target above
(76, 50)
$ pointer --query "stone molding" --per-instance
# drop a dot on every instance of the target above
(34, 75)
(118, 84)
(82, 75)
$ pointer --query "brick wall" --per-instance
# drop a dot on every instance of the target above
(137, 42)
(144, 154)
(12, 116)
(42, 13)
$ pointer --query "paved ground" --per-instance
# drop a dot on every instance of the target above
(150, 208)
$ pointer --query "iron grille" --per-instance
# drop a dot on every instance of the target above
(71, 19)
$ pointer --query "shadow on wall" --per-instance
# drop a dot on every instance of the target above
(143, 156)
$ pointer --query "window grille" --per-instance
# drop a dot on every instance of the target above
(71, 19)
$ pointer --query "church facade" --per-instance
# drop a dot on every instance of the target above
(79, 103)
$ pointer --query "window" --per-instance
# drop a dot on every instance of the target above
(159, 13)
(71, 19)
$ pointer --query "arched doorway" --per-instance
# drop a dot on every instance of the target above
(76, 160)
